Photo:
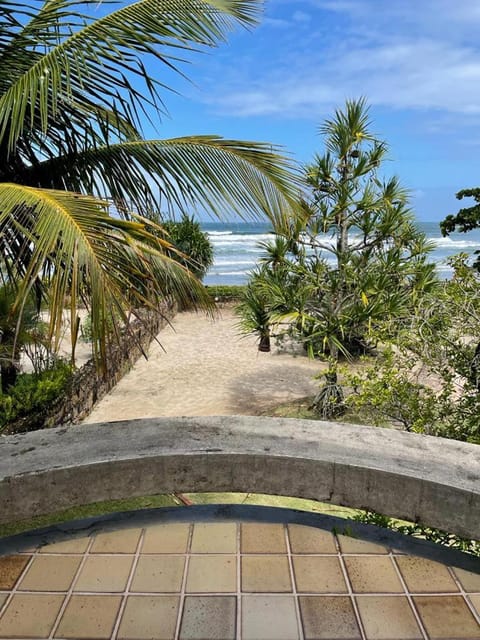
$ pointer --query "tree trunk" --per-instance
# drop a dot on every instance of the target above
(264, 343)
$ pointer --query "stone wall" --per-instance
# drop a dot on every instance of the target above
(90, 385)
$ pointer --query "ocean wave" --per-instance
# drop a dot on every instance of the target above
(231, 263)
(220, 233)
(214, 272)
(460, 244)
(238, 238)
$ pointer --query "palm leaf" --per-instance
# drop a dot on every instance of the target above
(205, 171)
(71, 246)
(97, 58)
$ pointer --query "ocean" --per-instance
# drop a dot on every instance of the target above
(236, 248)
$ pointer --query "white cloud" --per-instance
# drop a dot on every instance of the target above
(301, 16)
(404, 55)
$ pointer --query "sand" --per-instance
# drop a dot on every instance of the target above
(206, 367)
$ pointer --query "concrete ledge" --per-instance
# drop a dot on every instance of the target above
(419, 478)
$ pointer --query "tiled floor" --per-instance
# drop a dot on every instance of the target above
(227, 580)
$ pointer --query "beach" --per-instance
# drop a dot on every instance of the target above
(202, 366)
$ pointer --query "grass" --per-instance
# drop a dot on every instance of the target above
(155, 501)
(301, 409)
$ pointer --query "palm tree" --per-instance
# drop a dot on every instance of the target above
(74, 166)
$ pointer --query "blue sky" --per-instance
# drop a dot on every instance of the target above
(416, 61)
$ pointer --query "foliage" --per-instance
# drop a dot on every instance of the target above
(17, 331)
(466, 219)
(354, 259)
(75, 168)
(386, 393)
(420, 531)
(32, 395)
(194, 245)
(254, 312)
(428, 378)
(379, 256)
(225, 293)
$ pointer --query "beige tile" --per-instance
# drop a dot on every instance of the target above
(469, 581)
(212, 574)
(264, 574)
(104, 574)
(122, 541)
(158, 574)
(3, 598)
(316, 574)
(269, 618)
(475, 600)
(89, 617)
(50, 573)
(310, 540)
(425, 576)
(262, 538)
(218, 537)
(30, 616)
(369, 574)
(327, 618)
(208, 618)
(73, 545)
(354, 545)
(447, 617)
(149, 618)
(11, 568)
(388, 618)
(166, 538)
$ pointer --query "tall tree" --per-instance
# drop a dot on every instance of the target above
(357, 255)
(74, 89)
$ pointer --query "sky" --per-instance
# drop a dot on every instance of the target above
(417, 62)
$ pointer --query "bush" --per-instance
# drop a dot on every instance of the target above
(33, 393)
(187, 236)
(420, 531)
(225, 293)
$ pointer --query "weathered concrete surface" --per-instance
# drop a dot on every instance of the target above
(419, 478)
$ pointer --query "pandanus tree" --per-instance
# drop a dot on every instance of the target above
(362, 229)
(77, 176)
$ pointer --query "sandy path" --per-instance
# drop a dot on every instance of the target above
(207, 368)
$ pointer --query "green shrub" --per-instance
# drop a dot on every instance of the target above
(420, 531)
(31, 396)
(187, 236)
(225, 293)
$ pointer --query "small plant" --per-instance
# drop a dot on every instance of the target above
(32, 395)
(225, 293)
(420, 531)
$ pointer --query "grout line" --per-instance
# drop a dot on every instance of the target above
(409, 597)
(14, 589)
(465, 595)
(346, 577)
(239, 584)
(181, 601)
(123, 602)
(68, 595)
(294, 584)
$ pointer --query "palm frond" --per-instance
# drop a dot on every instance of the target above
(97, 57)
(69, 245)
(209, 172)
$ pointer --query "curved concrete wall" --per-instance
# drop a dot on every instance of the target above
(419, 478)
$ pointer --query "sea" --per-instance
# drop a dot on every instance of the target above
(237, 251)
